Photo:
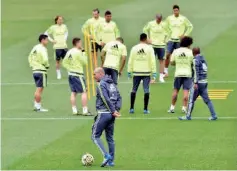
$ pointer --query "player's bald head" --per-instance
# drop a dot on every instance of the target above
(99, 70)
(99, 74)
(196, 51)
(158, 16)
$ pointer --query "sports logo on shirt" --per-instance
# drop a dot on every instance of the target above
(115, 46)
(141, 52)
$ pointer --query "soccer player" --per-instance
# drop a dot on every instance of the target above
(59, 33)
(113, 52)
(89, 28)
(107, 31)
(108, 105)
(142, 66)
(38, 60)
(179, 26)
(158, 34)
(182, 59)
(199, 87)
(74, 61)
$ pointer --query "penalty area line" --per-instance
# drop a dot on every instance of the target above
(125, 118)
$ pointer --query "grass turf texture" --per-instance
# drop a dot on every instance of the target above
(140, 144)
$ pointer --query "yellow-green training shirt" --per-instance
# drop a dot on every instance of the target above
(184, 62)
(158, 33)
(114, 52)
(178, 26)
(74, 61)
(38, 59)
(60, 34)
(91, 25)
(107, 32)
(142, 60)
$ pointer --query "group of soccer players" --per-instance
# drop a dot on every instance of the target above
(158, 38)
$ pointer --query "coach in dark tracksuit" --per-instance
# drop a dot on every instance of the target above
(108, 104)
(200, 87)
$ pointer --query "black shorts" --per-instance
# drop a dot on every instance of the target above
(97, 47)
(171, 46)
(40, 79)
(77, 84)
(112, 73)
(159, 53)
(186, 82)
(60, 54)
(146, 83)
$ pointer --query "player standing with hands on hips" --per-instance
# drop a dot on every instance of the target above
(59, 34)
(38, 60)
(142, 66)
(178, 26)
(107, 30)
(199, 87)
(108, 105)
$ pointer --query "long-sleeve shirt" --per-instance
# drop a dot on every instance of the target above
(38, 59)
(201, 68)
(114, 52)
(158, 33)
(59, 33)
(184, 62)
(108, 99)
(91, 25)
(74, 61)
(178, 26)
(107, 32)
(142, 60)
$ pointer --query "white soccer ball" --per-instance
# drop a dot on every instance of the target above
(87, 159)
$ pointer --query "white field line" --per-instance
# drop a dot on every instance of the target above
(122, 82)
(125, 118)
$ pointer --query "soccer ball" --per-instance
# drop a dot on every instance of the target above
(87, 159)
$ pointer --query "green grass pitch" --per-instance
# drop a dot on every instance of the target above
(49, 141)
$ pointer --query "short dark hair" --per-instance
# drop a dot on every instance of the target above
(175, 7)
(75, 41)
(108, 12)
(186, 41)
(56, 19)
(143, 37)
(120, 39)
(96, 10)
(42, 37)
